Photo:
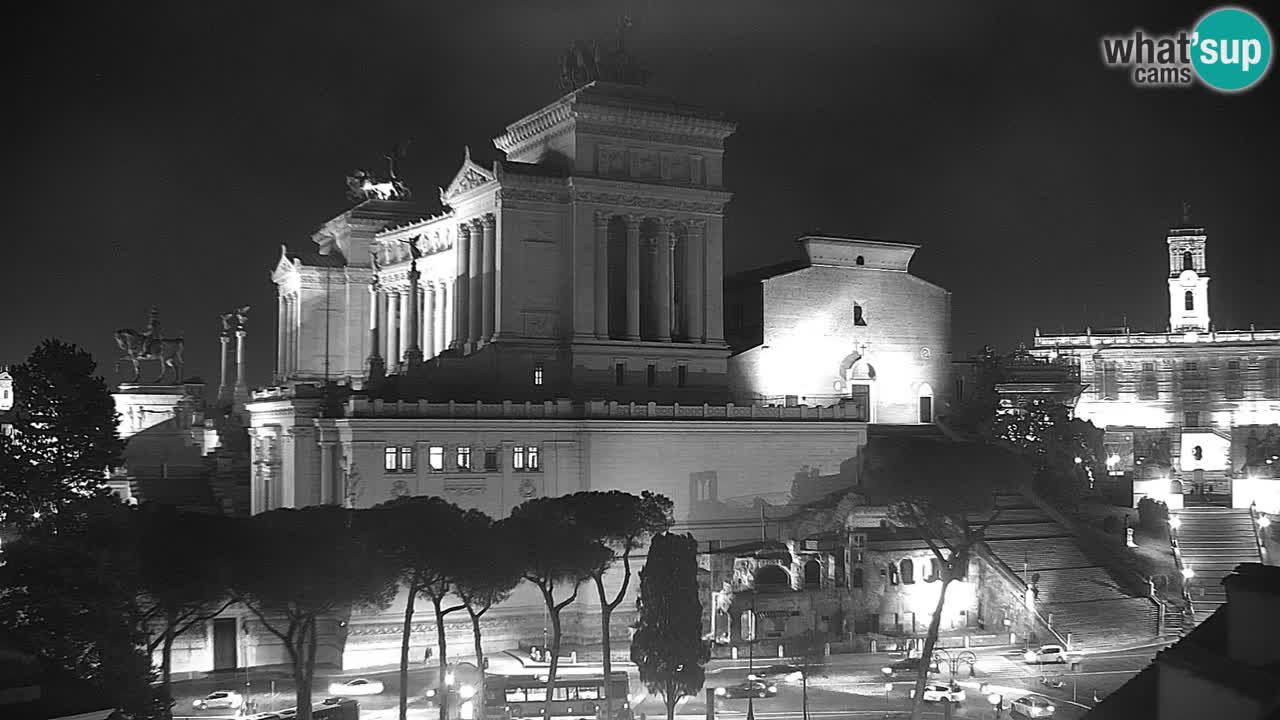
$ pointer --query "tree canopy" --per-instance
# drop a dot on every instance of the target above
(64, 437)
(668, 648)
(296, 566)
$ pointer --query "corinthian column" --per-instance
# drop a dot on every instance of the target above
(602, 274)
(633, 277)
(224, 391)
(412, 321)
(490, 269)
(462, 253)
(405, 301)
(429, 320)
(661, 246)
(475, 285)
(693, 299)
(282, 338)
(242, 388)
(393, 328)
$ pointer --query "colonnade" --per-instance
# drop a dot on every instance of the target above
(289, 324)
(439, 313)
(391, 311)
(669, 309)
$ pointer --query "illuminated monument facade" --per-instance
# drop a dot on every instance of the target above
(559, 325)
(1189, 412)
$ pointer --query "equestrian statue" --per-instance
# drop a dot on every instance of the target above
(139, 346)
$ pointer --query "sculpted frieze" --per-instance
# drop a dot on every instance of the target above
(650, 203)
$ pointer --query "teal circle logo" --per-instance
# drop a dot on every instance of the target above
(1231, 49)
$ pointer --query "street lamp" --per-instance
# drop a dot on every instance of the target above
(1175, 522)
(1188, 573)
(955, 661)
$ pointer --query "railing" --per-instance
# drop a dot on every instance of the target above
(1012, 577)
(595, 409)
(1173, 338)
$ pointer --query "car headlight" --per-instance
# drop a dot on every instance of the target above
(720, 691)
(1050, 709)
(886, 670)
(1029, 656)
(773, 688)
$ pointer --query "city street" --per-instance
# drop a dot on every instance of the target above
(850, 686)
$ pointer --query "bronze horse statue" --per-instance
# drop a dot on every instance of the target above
(137, 347)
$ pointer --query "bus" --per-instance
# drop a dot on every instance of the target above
(577, 696)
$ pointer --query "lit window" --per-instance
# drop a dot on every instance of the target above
(464, 458)
(525, 458)
(1189, 300)
(389, 459)
(435, 458)
(406, 459)
(537, 373)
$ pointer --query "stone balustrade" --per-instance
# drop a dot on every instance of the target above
(1175, 338)
(564, 409)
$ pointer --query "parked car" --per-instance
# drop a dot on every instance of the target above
(358, 686)
(906, 666)
(1046, 654)
(229, 699)
(941, 693)
(1032, 706)
(790, 673)
(750, 688)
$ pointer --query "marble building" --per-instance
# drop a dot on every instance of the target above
(1190, 411)
(557, 324)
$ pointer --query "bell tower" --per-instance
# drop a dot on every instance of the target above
(1188, 277)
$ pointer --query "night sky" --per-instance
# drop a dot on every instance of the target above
(160, 152)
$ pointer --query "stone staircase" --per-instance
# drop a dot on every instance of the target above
(1212, 541)
(1074, 592)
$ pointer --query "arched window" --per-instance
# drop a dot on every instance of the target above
(857, 577)
(935, 570)
(860, 261)
(772, 578)
(858, 319)
(908, 571)
(812, 574)
(1175, 487)
(1189, 300)
(1188, 261)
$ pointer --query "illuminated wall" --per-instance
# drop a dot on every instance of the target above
(838, 327)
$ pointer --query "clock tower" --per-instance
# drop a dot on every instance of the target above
(1188, 279)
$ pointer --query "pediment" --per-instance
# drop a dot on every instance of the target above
(284, 266)
(469, 177)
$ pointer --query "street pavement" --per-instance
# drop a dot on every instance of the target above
(850, 686)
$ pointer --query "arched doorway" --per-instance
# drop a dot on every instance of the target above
(925, 402)
(771, 578)
(812, 574)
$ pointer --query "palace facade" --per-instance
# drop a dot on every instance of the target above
(1192, 412)
(559, 325)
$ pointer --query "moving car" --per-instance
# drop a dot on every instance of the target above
(906, 666)
(790, 673)
(934, 692)
(750, 688)
(358, 686)
(219, 699)
(1032, 706)
(1046, 654)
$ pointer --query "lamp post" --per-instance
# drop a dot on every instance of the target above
(955, 660)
